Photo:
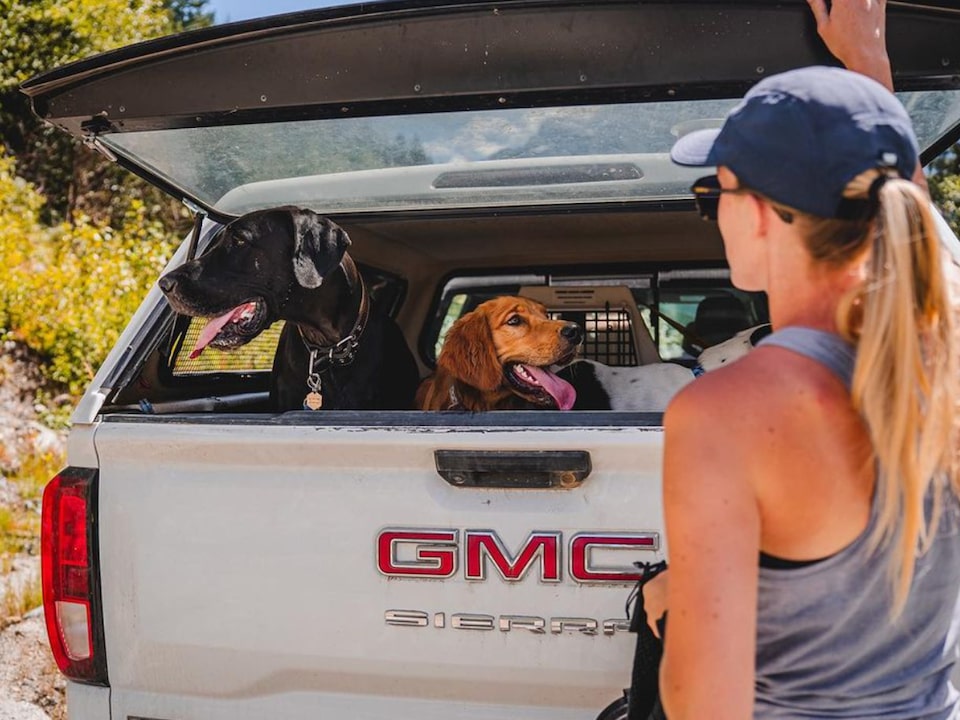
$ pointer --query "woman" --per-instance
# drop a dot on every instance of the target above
(829, 451)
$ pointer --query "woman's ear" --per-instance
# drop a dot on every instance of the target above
(468, 353)
(761, 214)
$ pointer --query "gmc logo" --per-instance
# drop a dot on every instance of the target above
(419, 553)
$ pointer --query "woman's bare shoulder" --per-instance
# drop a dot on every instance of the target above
(726, 391)
(743, 407)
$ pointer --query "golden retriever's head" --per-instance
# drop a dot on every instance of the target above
(509, 343)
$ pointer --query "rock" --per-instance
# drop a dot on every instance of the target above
(28, 675)
(31, 687)
(13, 710)
(21, 433)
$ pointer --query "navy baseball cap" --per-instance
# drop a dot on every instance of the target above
(801, 136)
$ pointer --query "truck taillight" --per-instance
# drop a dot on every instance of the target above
(71, 586)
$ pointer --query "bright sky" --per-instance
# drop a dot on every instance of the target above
(232, 10)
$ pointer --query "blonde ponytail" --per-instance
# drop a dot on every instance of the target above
(905, 382)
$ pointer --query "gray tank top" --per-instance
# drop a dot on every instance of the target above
(826, 645)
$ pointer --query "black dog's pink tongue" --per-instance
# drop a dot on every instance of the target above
(559, 389)
(211, 329)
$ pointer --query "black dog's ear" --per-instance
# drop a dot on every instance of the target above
(318, 246)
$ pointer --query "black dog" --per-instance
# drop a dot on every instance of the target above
(291, 264)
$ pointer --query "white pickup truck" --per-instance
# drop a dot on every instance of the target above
(206, 556)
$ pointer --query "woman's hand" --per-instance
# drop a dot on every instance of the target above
(655, 600)
(854, 31)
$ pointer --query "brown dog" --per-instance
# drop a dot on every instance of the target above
(496, 358)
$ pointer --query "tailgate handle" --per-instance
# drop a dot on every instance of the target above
(563, 469)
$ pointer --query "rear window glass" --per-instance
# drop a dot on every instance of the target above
(483, 158)
(682, 311)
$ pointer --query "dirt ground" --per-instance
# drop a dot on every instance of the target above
(31, 687)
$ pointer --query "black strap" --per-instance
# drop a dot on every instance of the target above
(644, 693)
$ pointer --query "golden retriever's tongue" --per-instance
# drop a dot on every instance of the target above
(559, 389)
(211, 329)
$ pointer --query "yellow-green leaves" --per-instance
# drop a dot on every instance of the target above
(67, 291)
(39, 35)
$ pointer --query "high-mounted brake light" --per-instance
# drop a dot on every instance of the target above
(71, 591)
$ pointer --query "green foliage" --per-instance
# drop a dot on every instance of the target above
(20, 520)
(36, 36)
(73, 300)
(80, 238)
(943, 176)
(20, 231)
(18, 601)
(8, 527)
(35, 472)
(189, 14)
(256, 355)
(40, 35)
(69, 290)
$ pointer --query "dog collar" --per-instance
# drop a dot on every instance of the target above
(342, 352)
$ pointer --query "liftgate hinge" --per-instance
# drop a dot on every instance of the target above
(91, 130)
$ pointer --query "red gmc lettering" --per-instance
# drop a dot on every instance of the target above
(581, 545)
(434, 553)
(484, 544)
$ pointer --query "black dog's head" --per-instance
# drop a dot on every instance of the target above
(254, 265)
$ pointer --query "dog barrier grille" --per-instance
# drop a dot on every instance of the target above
(607, 335)
(255, 356)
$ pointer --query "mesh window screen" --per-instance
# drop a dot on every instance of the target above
(257, 355)
(607, 335)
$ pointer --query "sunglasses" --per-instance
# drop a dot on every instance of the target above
(707, 191)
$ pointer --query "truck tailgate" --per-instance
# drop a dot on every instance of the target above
(333, 566)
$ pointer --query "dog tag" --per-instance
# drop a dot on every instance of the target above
(313, 401)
